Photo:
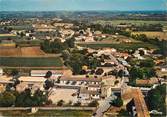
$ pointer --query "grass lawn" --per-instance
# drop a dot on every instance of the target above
(54, 113)
(31, 62)
(121, 46)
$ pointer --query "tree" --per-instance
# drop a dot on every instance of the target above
(7, 99)
(141, 52)
(28, 99)
(156, 98)
(48, 84)
(94, 103)
(116, 82)
(48, 74)
(99, 71)
(14, 72)
(70, 42)
(117, 102)
(147, 63)
(77, 104)
(60, 103)
(121, 73)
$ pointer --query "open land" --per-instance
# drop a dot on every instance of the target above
(22, 52)
(54, 113)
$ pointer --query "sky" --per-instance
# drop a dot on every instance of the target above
(82, 5)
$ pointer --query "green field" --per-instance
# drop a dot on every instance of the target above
(20, 27)
(24, 43)
(121, 46)
(135, 22)
(30, 62)
(53, 113)
(8, 37)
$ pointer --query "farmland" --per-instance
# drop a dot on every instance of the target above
(22, 52)
(30, 62)
(25, 43)
(160, 35)
(7, 35)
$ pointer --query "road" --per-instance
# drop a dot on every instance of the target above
(104, 106)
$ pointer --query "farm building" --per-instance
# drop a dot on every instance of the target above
(42, 73)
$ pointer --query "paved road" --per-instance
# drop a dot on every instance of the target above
(104, 106)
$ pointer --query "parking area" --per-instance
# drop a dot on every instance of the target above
(66, 95)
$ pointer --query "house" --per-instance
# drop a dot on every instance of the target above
(1, 71)
(105, 91)
(86, 94)
(123, 62)
(164, 68)
(42, 73)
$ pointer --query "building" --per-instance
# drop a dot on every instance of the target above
(79, 81)
(164, 68)
(106, 91)
(87, 94)
(31, 80)
(1, 71)
(42, 73)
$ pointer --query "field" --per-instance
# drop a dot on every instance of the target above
(22, 52)
(32, 51)
(121, 46)
(25, 43)
(135, 22)
(55, 113)
(19, 27)
(160, 35)
(7, 35)
(30, 62)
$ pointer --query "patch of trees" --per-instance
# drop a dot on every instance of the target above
(141, 69)
(57, 46)
(149, 27)
(156, 98)
(77, 59)
(162, 44)
(118, 102)
(93, 103)
(23, 99)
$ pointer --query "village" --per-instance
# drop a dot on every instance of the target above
(81, 66)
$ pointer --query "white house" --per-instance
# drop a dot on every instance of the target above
(164, 68)
(1, 71)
